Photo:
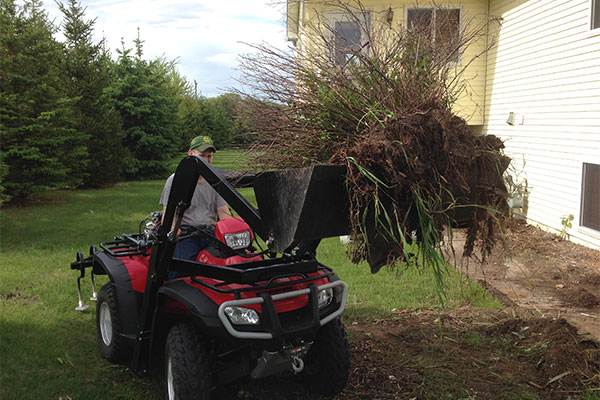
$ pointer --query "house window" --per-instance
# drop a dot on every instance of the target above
(590, 196)
(441, 25)
(595, 14)
(350, 36)
(347, 40)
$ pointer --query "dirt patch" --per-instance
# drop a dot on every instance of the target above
(472, 353)
(18, 296)
(537, 270)
(462, 353)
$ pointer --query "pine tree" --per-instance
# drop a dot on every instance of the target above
(193, 121)
(140, 93)
(215, 117)
(220, 124)
(87, 69)
(41, 146)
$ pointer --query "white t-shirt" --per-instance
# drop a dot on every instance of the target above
(205, 201)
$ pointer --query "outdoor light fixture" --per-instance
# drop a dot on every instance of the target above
(389, 16)
(511, 118)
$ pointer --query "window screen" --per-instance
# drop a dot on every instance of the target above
(447, 31)
(595, 14)
(419, 17)
(590, 196)
(347, 40)
(440, 24)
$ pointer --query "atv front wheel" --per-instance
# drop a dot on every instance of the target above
(187, 373)
(112, 344)
(327, 364)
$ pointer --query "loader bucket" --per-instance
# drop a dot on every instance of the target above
(302, 204)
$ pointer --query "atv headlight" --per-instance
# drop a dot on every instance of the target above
(238, 240)
(242, 316)
(325, 297)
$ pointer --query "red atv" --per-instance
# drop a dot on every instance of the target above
(235, 312)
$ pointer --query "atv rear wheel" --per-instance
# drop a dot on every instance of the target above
(187, 374)
(112, 344)
(327, 364)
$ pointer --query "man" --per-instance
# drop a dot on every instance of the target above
(206, 207)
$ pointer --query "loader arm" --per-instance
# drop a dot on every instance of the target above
(184, 183)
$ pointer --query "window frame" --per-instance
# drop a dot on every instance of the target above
(593, 8)
(582, 228)
(333, 16)
(450, 6)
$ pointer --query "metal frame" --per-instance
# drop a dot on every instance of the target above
(269, 304)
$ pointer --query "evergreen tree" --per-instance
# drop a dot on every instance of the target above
(87, 69)
(216, 117)
(219, 122)
(140, 93)
(40, 145)
(191, 120)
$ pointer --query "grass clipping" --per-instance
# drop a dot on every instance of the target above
(379, 100)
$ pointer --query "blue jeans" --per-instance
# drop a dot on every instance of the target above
(188, 249)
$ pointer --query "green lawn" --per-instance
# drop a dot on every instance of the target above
(48, 350)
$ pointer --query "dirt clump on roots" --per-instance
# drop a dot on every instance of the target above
(417, 174)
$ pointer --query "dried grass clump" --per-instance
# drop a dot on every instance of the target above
(413, 166)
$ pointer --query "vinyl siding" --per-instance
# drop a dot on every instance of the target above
(470, 104)
(545, 68)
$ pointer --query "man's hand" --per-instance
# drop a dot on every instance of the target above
(162, 218)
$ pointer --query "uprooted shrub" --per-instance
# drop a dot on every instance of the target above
(382, 105)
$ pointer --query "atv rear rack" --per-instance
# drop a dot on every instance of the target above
(126, 245)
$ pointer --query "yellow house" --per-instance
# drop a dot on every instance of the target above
(537, 88)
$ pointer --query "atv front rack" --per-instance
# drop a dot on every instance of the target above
(267, 286)
(248, 272)
(129, 245)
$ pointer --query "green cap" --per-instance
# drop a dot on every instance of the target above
(202, 143)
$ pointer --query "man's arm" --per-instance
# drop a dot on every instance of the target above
(223, 212)
(162, 218)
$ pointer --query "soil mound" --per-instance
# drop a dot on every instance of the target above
(580, 298)
(565, 360)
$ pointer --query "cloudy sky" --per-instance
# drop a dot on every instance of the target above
(204, 35)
